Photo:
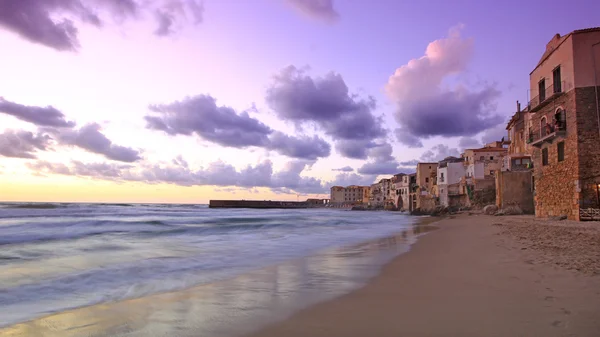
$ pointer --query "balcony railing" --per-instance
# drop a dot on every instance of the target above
(547, 134)
(544, 97)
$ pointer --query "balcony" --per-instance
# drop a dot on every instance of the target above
(541, 100)
(537, 138)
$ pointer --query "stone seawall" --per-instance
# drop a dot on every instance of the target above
(257, 204)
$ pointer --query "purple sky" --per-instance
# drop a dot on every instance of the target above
(257, 97)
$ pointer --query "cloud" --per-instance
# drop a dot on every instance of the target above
(412, 162)
(41, 116)
(426, 108)
(495, 134)
(22, 144)
(344, 169)
(408, 139)
(53, 23)
(469, 143)
(168, 14)
(354, 148)
(91, 139)
(381, 161)
(318, 9)
(325, 101)
(347, 179)
(200, 115)
(438, 153)
(299, 147)
(215, 174)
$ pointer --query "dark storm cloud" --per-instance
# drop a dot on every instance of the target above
(41, 116)
(326, 102)
(91, 139)
(425, 108)
(200, 115)
(318, 9)
(53, 22)
(22, 144)
(344, 169)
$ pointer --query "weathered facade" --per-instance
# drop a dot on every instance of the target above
(424, 196)
(350, 195)
(449, 174)
(518, 157)
(514, 188)
(565, 125)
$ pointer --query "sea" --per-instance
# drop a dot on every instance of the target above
(74, 269)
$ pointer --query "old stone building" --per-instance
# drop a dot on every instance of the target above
(350, 195)
(518, 157)
(450, 172)
(564, 129)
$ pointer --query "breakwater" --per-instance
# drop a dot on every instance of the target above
(267, 203)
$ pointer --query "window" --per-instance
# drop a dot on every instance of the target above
(426, 180)
(561, 151)
(482, 158)
(543, 127)
(442, 177)
(430, 167)
(542, 90)
(545, 156)
(556, 80)
(491, 157)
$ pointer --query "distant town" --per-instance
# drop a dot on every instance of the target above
(549, 163)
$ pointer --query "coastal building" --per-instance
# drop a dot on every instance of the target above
(423, 198)
(565, 126)
(350, 195)
(518, 156)
(402, 188)
(376, 198)
(490, 157)
(336, 195)
(386, 191)
(450, 172)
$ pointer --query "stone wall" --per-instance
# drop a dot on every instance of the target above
(555, 184)
(588, 144)
(515, 189)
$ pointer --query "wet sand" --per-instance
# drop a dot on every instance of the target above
(476, 276)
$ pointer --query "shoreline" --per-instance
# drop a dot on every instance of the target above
(468, 278)
(283, 289)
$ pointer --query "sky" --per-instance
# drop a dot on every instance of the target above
(188, 100)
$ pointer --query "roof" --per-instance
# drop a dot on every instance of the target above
(557, 40)
(490, 149)
(426, 163)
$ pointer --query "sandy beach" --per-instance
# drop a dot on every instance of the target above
(476, 276)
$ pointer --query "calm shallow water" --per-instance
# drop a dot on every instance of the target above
(180, 270)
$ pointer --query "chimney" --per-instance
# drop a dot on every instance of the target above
(518, 106)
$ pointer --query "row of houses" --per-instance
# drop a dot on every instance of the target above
(548, 163)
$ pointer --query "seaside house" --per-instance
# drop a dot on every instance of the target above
(423, 198)
(450, 172)
(349, 196)
(565, 126)
(402, 185)
(376, 196)
(518, 157)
